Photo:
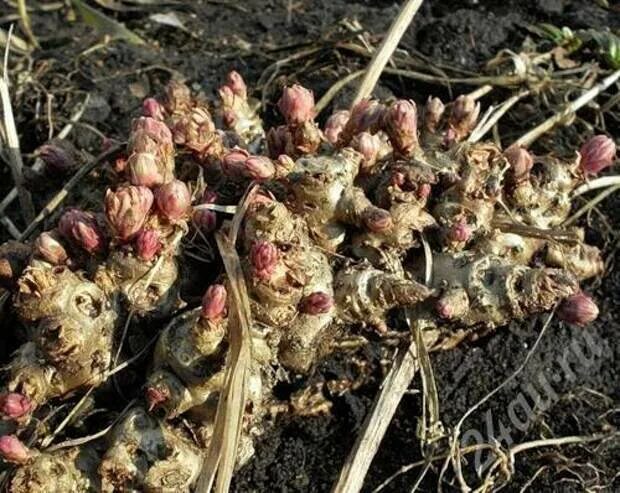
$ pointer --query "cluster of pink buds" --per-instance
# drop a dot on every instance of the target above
(264, 258)
(460, 232)
(127, 210)
(49, 247)
(82, 229)
(14, 405)
(151, 153)
(401, 125)
(433, 112)
(521, 162)
(316, 303)
(335, 124)
(579, 309)
(59, 155)
(148, 244)
(239, 162)
(597, 154)
(214, 303)
(173, 200)
(13, 450)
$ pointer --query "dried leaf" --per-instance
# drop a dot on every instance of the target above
(105, 24)
(168, 19)
(17, 44)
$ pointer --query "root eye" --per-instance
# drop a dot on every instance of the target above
(88, 305)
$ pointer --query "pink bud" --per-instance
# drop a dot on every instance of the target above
(205, 220)
(155, 397)
(143, 170)
(209, 197)
(14, 405)
(152, 128)
(401, 122)
(173, 200)
(597, 154)
(13, 450)
(214, 302)
(368, 145)
(49, 247)
(377, 220)
(81, 228)
(460, 232)
(335, 125)
(398, 179)
(453, 304)
(433, 111)
(423, 192)
(237, 84)
(148, 244)
(316, 303)
(443, 308)
(579, 309)
(296, 104)
(177, 96)
(233, 163)
(153, 108)
(259, 168)
(264, 257)
(464, 115)
(520, 160)
(59, 155)
(276, 140)
(127, 209)
(365, 116)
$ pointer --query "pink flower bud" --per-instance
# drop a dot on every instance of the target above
(316, 303)
(296, 104)
(377, 220)
(152, 128)
(276, 140)
(205, 220)
(177, 96)
(49, 247)
(14, 405)
(365, 116)
(13, 450)
(237, 84)
(59, 155)
(209, 197)
(81, 228)
(127, 209)
(264, 257)
(259, 168)
(143, 170)
(579, 309)
(335, 125)
(401, 122)
(597, 154)
(423, 192)
(433, 111)
(464, 115)
(214, 302)
(153, 108)
(520, 160)
(368, 145)
(173, 200)
(233, 163)
(460, 232)
(155, 397)
(284, 165)
(453, 304)
(148, 244)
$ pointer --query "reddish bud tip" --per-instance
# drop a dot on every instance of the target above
(82, 229)
(335, 125)
(464, 115)
(259, 168)
(143, 170)
(156, 397)
(520, 160)
(237, 85)
(148, 244)
(365, 116)
(401, 122)
(377, 220)
(13, 450)
(453, 304)
(205, 220)
(127, 209)
(433, 111)
(424, 191)
(209, 197)
(153, 109)
(264, 258)
(233, 163)
(173, 200)
(214, 302)
(14, 405)
(460, 232)
(49, 247)
(597, 154)
(368, 145)
(296, 104)
(579, 309)
(316, 303)
(59, 155)
(154, 129)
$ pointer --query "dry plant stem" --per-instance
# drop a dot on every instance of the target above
(367, 443)
(383, 54)
(25, 21)
(602, 182)
(486, 125)
(527, 139)
(591, 204)
(13, 154)
(38, 164)
(62, 194)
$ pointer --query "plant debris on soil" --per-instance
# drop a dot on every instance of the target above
(95, 75)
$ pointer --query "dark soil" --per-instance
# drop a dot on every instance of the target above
(306, 454)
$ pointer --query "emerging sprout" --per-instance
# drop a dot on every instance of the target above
(148, 244)
(433, 111)
(173, 200)
(14, 405)
(214, 302)
(82, 229)
(13, 450)
(597, 154)
(521, 162)
(153, 109)
(401, 124)
(49, 248)
(59, 155)
(296, 105)
(335, 125)
(264, 258)
(236, 84)
(316, 303)
(127, 209)
(579, 309)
